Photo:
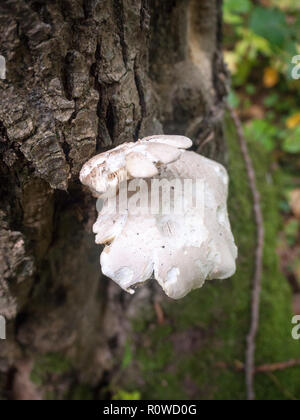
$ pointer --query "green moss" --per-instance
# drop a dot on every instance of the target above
(48, 371)
(51, 363)
(172, 364)
(81, 393)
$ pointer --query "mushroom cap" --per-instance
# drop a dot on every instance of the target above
(140, 166)
(180, 250)
(181, 142)
(131, 160)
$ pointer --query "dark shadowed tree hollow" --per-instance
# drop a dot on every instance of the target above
(83, 76)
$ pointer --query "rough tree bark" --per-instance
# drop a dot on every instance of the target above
(83, 76)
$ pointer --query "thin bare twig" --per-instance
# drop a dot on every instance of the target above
(266, 368)
(256, 286)
(274, 367)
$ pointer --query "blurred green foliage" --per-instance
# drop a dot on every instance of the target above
(272, 25)
(257, 33)
(292, 142)
(127, 396)
(261, 39)
(291, 230)
(262, 132)
(262, 50)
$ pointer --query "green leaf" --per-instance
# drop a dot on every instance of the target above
(271, 100)
(270, 24)
(233, 9)
(262, 132)
(237, 6)
(233, 99)
(231, 19)
(292, 143)
(250, 89)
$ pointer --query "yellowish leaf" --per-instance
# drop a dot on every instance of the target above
(231, 60)
(271, 77)
(293, 121)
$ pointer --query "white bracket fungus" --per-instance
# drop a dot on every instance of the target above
(182, 246)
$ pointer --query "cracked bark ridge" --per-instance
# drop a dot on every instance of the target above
(84, 76)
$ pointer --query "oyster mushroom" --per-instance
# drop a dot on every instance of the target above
(181, 249)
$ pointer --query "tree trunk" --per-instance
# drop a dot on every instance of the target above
(83, 76)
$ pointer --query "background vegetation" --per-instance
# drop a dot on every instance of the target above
(261, 38)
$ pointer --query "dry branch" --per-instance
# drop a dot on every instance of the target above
(256, 285)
